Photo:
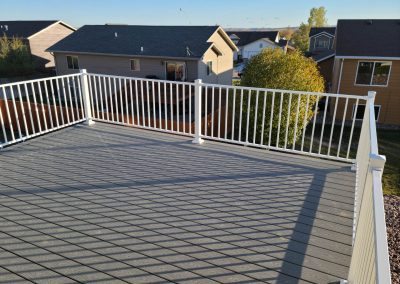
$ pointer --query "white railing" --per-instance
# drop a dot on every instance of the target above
(145, 103)
(279, 120)
(370, 258)
(315, 124)
(32, 108)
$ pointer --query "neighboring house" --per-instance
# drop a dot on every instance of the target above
(321, 50)
(368, 59)
(251, 43)
(178, 53)
(38, 36)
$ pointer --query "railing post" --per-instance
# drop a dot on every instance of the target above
(86, 98)
(197, 112)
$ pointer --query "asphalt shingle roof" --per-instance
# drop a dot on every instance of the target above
(246, 37)
(317, 30)
(379, 38)
(160, 41)
(23, 29)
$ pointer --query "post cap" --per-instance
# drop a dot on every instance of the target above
(199, 81)
(371, 94)
(83, 70)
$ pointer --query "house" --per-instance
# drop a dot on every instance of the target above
(251, 43)
(368, 59)
(321, 50)
(177, 53)
(38, 36)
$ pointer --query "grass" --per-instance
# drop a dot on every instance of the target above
(389, 145)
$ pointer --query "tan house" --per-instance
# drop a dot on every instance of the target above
(178, 53)
(368, 59)
(38, 36)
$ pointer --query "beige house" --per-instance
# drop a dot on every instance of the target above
(38, 36)
(178, 53)
(368, 59)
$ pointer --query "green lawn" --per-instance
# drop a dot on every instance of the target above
(389, 145)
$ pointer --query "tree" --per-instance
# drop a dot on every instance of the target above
(287, 33)
(274, 69)
(317, 18)
(15, 58)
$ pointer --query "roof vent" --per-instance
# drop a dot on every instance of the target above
(141, 49)
(188, 51)
(369, 22)
(115, 34)
(6, 27)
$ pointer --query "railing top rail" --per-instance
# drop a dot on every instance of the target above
(38, 80)
(287, 91)
(143, 79)
(372, 124)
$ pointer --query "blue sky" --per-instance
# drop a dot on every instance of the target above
(227, 13)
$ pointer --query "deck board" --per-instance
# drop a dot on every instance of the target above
(117, 204)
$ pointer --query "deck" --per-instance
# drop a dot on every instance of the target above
(113, 204)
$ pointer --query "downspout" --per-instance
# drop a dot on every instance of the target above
(340, 76)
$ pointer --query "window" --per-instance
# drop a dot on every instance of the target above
(135, 65)
(322, 43)
(209, 68)
(359, 113)
(373, 73)
(72, 62)
(176, 71)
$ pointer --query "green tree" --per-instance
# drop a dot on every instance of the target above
(274, 69)
(15, 59)
(317, 18)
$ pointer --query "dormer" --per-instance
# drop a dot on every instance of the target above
(321, 39)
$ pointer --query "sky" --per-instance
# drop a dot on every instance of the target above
(227, 13)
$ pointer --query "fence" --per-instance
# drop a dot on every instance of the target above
(370, 258)
(35, 107)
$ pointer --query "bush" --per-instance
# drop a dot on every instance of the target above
(15, 59)
(274, 69)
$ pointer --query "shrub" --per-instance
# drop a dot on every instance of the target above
(274, 69)
(15, 59)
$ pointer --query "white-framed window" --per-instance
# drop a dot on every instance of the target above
(209, 68)
(72, 62)
(359, 113)
(373, 73)
(135, 64)
(175, 71)
(322, 42)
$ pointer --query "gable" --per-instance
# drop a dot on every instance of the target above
(23, 29)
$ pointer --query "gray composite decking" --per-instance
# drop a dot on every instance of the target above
(112, 204)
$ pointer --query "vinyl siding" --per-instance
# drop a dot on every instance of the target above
(39, 43)
(388, 97)
(222, 65)
(120, 66)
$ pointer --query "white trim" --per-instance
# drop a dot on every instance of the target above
(372, 76)
(321, 33)
(340, 75)
(368, 57)
(229, 41)
(365, 109)
(49, 26)
(326, 57)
